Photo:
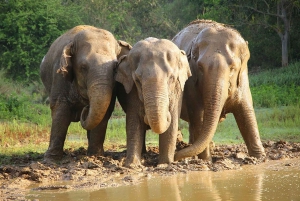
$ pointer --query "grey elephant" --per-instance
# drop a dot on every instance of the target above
(77, 72)
(152, 78)
(218, 57)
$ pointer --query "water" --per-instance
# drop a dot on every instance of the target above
(273, 181)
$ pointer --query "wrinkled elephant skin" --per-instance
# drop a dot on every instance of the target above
(218, 57)
(152, 78)
(77, 72)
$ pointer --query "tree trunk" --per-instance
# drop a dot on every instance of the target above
(284, 41)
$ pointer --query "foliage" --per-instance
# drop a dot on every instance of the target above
(28, 28)
(278, 87)
(273, 95)
(281, 76)
(19, 102)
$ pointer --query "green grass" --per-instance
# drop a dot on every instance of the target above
(277, 87)
(282, 123)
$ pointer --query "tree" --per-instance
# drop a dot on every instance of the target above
(27, 29)
(274, 14)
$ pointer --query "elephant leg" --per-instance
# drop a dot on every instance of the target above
(135, 130)
(61, 119)
(167, 145)
(195, 125)
(144, 149)
(96, 139)
(206, 154)
(245, 117)
(167, 141)
(97, 135)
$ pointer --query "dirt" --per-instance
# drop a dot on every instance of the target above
(79, 171)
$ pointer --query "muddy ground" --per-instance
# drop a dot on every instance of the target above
(108, 171)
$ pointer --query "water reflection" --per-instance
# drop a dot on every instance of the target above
(251, 183)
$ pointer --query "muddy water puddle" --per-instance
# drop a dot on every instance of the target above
(274, 180)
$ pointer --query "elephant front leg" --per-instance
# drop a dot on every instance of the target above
(195, 128)
(97, 135)
(246, 121)
(167, 141)
(96, 139)
(135, 131)
(61, 119)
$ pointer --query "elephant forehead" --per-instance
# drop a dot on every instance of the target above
(224, 36)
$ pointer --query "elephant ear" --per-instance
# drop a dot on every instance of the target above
(65, 64)
(124, 48)
(124, 73)
(184, 69)
(245, 55)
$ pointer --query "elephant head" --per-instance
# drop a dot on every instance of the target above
(89, 60)
(219, 55)
(158, 69)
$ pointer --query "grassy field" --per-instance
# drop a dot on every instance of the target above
(25, 119)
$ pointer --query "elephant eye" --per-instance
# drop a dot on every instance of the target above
(136, 78)
(200, 67)
(84, 67)
(171, 79)
(232, 70)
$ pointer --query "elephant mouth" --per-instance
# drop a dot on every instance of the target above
(146, 120)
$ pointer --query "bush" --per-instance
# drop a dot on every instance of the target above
(277, 87)
(28, 28)
(274, 95)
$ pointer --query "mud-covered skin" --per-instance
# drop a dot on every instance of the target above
(77, 72)
(99, 172)
(219, 85)
(152, 75)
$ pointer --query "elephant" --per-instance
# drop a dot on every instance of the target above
(78, 74)
(152, 78)
(218, 57)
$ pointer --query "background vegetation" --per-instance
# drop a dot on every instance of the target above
(29, 27)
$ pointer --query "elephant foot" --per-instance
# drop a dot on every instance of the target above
(95, 152)
(133, 162)
(206, 154)
(52, 158)
(165, 160)
(259, 154)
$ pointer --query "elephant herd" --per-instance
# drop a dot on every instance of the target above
(199, 76)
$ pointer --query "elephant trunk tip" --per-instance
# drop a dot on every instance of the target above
(85, 121)
(193, 150)
(160, 126)
(179, 155)
(83, 117)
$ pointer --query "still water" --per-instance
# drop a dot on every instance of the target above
(272, 181)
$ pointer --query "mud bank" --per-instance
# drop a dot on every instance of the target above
(79, 171)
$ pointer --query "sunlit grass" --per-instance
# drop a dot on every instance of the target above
(281, 123)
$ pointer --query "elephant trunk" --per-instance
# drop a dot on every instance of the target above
(99, 100)
(213, 104)
(157, 114)
(99, 91)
